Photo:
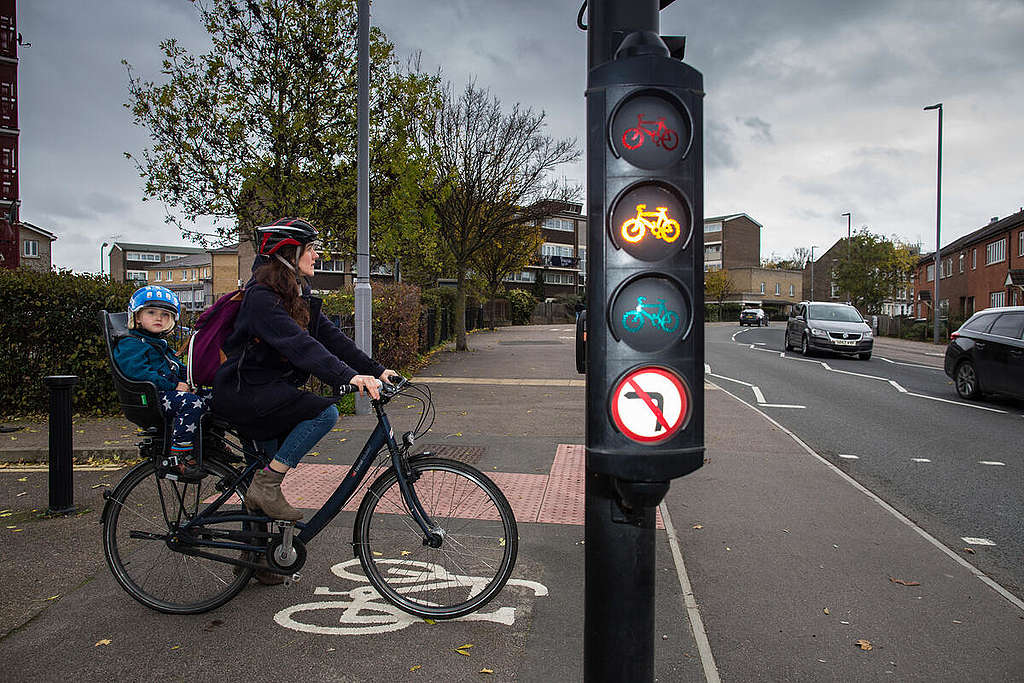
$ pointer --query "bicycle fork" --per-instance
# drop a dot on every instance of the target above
(432, 536)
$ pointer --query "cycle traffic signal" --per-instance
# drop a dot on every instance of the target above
(645, 326)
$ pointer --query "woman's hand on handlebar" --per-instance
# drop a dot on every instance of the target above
(389, 376)
(365, 382)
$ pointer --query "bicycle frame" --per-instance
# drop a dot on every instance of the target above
(383, 435)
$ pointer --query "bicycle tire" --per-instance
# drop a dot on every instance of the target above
(633, 230)
(670, 321)
(670, 231)
(632, 138)
(633, 321)
(157, 576)
(473, 515)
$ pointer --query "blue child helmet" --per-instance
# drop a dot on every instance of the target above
(155, 296)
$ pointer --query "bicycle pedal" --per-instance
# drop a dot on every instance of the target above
(292, 579)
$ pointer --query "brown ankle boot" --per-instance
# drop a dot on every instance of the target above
(265, 494)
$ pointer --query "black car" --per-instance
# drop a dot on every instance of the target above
(986, 355)
(819, 326)
(753, 316)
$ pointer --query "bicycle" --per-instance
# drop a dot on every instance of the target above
(176, 546)
(663, 228)
(662, 135)
(660, 317)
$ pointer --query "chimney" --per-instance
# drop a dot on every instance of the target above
(992, 220)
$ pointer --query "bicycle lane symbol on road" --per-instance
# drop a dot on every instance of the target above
(362, 611)
(650, 404)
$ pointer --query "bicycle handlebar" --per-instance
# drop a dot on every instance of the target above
(396, 384)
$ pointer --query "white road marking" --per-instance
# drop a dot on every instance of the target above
(896, 385)
(758, 395)
(707, 369)
(849, 457)
(957, 403)
(730, 379)
(977, 573)
(909, 365)
(991, 462)
(707, 659)
(781, 405)
(976, 541)
(920, 460)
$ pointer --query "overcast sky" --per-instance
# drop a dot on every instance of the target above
(813, 107)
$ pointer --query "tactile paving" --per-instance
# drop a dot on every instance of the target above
(562, 501)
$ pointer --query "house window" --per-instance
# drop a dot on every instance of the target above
(835, 290)
(142, 256)
(560, 224)
(762, 288)
(206, 272)
(995, 252)
(523, 276)
(949, 267)
(556, 250)
(184, 275)
(1020, 243)
(792, 290)
(931, 273)
(558, 278)
(137, 275)
(185, 296)
(170, 278)
(997, 299)
(171, 257)
(778, 289)
(974, 259)
(961, 263)
(159, 275)
(713, 227)
(332, 266)
(31, 248)
(583, 259)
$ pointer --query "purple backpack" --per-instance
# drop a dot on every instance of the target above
(205, 344)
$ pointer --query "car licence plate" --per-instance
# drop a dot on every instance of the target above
(844, 342)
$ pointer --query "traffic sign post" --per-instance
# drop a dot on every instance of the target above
(645, 318)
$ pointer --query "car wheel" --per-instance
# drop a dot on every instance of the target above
(864, 356)
(966, 380)
(804, 348)
(785, 338)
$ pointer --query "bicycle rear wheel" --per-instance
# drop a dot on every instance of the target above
(480, 540)
(138, 522)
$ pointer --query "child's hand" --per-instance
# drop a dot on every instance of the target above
(182, 387)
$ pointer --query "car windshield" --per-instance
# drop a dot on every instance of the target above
(842, 314)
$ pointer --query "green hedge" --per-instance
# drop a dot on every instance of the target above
(50, 326)
(521, 304)
(396, 319)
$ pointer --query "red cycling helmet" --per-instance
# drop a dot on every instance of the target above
(284, 232)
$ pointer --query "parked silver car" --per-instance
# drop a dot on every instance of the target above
(839, 328)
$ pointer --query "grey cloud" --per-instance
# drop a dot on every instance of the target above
(718, 151)
(762, 130)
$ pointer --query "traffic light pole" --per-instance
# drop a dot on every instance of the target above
(619, 535)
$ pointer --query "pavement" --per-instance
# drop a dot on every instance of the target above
(771, 563)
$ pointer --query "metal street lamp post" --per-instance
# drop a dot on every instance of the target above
(363, 293)
(102, 247)
(849, 244)
(936, 308)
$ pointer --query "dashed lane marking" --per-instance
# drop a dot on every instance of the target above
(920, 459)
(991, 462)
(977, 573)
(970, 540)
(909, 365)
(846, 456)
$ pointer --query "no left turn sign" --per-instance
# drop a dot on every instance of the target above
(650, 404)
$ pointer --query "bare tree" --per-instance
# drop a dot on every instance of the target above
(506, 255)
(487, 172)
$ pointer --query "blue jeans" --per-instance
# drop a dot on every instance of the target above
(301, 439)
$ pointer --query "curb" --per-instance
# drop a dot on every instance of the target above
(80, 455)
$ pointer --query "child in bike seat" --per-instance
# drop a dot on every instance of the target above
(144, 355)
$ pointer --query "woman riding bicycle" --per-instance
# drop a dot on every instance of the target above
(280, 338)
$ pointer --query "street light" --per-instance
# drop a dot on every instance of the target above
(849, 243)
(813, 247)
(938, 208)
(102, 247)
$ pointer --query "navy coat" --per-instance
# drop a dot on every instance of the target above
(269, 357)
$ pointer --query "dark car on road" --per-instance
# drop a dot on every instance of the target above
(986, 355)
(753, 316)
(819, 326)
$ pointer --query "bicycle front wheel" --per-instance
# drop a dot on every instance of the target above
(140, 520)
(479, 540)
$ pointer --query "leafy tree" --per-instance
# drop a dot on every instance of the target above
(796, 261)
(487, 173)
(718, 286)
(264, 124)
(507, 254)
(873, 269)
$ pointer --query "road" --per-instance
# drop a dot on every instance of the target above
(896, 425)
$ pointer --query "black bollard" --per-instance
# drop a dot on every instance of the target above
(62, 496)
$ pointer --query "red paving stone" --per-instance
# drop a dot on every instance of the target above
(553, 498)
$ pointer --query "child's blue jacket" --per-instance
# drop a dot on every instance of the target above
(141, 356)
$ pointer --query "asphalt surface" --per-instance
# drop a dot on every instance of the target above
(917, 444)
(783, 561)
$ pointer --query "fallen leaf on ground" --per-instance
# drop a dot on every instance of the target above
(99, 485)
(430, 621)
(826, 611)
(53, 597)
(969, 550)
(697, 526)
(21, 494)
(413, 668)
(864, 644)
(464, 647)
(904, 583)
(463, 653)
(23, 479)
(406, 552)
(486, 671)
(175, 647)
(105, 641)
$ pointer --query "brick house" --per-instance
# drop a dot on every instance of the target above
(9, 130)
(731, 242)
(977, 271)
(36, 247)
(129, 262)
(559, 268)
